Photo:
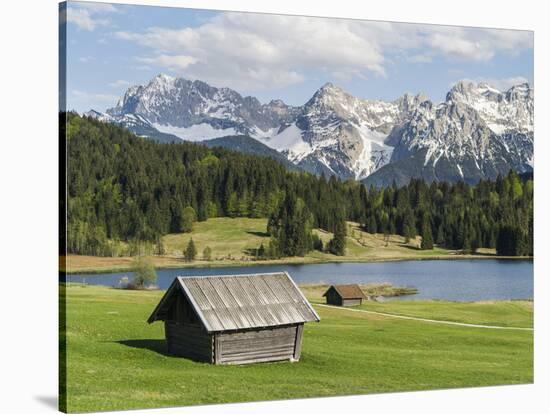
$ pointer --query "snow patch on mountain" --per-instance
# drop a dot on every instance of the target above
(290, 142)
(197, 132)
(260, 133)
(374, 154)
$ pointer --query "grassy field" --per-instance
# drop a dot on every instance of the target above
(115, 360)
(232, 240)
(512, 313)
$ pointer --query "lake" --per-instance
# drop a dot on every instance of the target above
(456, 280)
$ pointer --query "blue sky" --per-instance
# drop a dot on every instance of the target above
(111, 47)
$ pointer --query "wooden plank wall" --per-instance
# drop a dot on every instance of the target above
(189, 341)
(298, 342)
(267, 344)
(351, 302)
(333, 298)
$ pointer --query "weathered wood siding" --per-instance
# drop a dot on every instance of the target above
(191, 341)
(351, 302)
(262, 345)
(333, 298)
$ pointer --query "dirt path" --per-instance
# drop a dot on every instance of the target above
(391, 315)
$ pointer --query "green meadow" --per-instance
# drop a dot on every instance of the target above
(115, 360)
(234, 240)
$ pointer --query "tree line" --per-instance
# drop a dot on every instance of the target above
(124, 188)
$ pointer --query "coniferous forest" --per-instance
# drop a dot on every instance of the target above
(124, 188)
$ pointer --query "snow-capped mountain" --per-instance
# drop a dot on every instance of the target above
(478, 132)
(194, 110)
(344, 135)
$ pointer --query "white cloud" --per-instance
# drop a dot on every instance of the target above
(85, 59)
(119, 83)
(85, 15)
(256, 51)
(476, 44)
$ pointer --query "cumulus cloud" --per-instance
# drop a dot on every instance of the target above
(476, 44)
(88, 16)
(255, 51)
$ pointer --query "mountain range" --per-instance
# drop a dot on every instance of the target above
(477, 132)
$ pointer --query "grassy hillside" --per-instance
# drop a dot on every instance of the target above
(115, 360)
(232, 239)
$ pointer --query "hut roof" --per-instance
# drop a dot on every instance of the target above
(347, 291)
(241, 301)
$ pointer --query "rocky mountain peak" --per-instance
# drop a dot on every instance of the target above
(477, 128)
(520, 92)
(329, 96)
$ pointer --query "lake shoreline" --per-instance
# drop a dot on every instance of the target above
(305, 261)
(464, 279)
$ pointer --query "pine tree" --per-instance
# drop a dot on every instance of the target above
(232, 205)
(242, 205)
(371, 226)
(188, 217)
(207, 253)
(427, 238)
(317, 243)
(114, 200)
(261, 251)
(190, 251)
(406, 233)
(273, 250)
(291, 226)
(160, 250)
(510, 241)
(337, 245)
(467, 245)
(440, 239)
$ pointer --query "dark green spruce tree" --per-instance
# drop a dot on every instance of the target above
(337, 245)
(427, 236)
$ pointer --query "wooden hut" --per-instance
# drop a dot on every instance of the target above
(344, 295)
(235, 319)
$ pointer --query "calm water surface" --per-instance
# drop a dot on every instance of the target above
(458, 280)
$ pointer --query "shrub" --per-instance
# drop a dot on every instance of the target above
(207, 253)
(188, 217)
(144, 273)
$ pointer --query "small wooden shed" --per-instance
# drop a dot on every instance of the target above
(344, 295)
(236, 319)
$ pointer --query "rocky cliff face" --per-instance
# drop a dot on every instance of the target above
(478, 132)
